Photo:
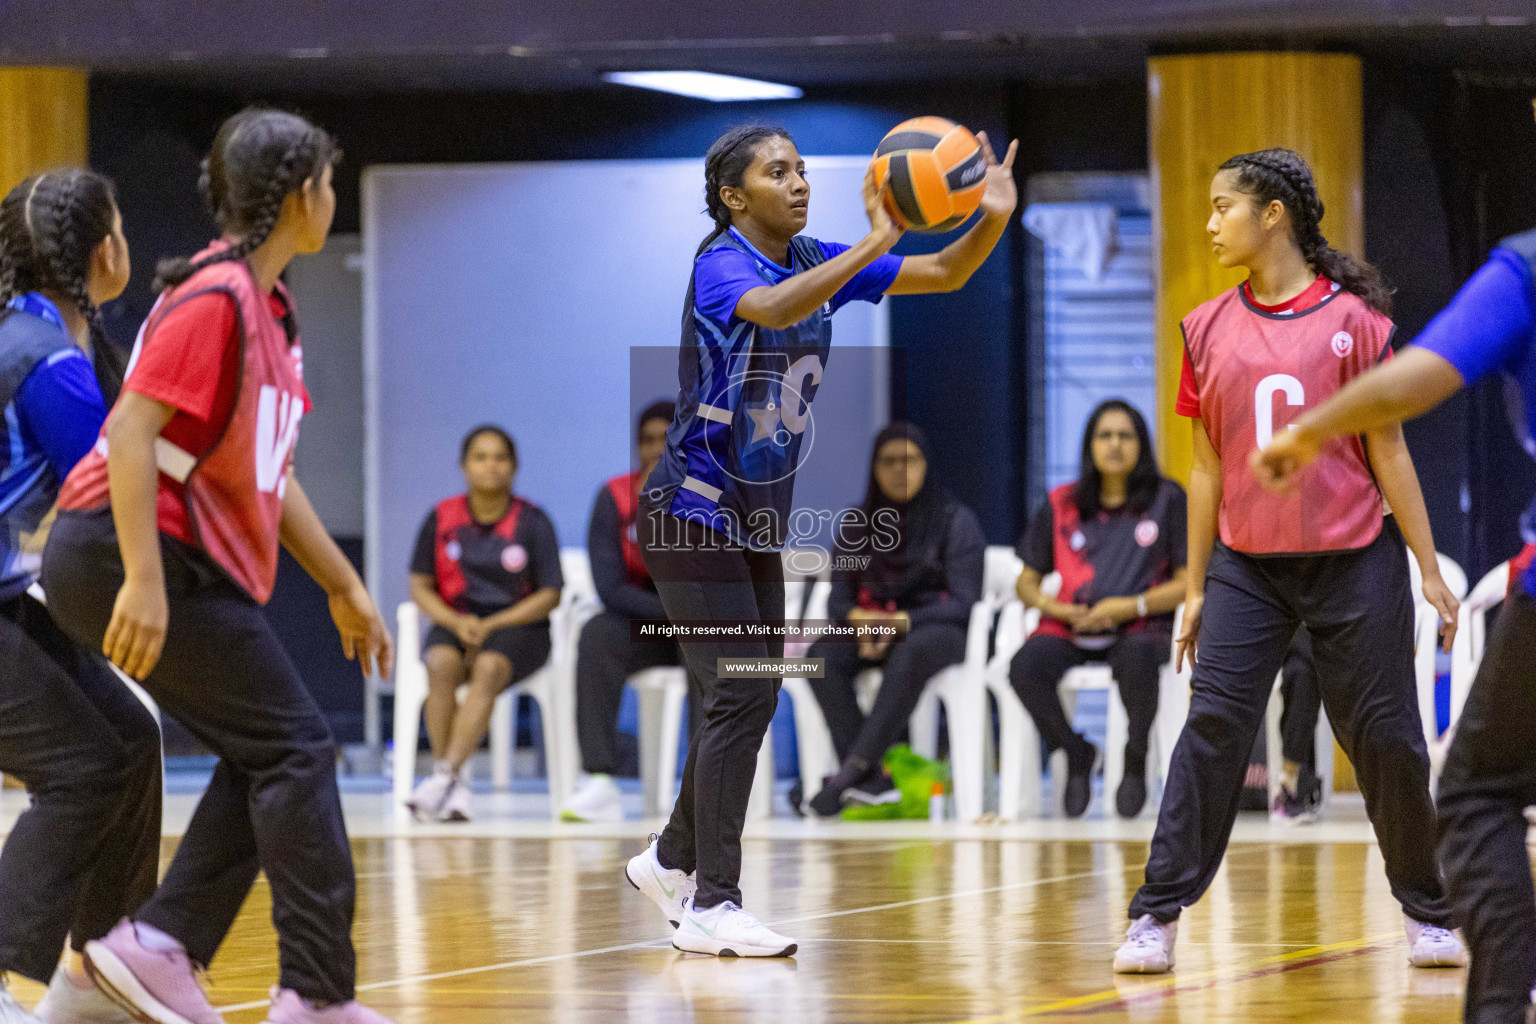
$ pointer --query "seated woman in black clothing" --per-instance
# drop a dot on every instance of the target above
(486, 571)
(605, 654)
(1117, 538)
(927, 581)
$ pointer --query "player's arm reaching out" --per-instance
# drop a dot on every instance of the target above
(952, 266)
(1399, 389)
(1204, 508)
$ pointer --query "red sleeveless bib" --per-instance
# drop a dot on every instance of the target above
(1256, 372)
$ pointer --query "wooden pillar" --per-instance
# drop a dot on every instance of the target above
(1203, 109)
(43, 118)
(42, 125)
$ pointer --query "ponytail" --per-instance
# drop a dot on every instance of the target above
(259, 157)
(1280, 174)
(725, 165)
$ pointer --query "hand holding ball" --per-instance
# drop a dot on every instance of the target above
(936, 172)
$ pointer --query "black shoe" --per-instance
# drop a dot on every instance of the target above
(1079, 791)
(1131, 797)
(797, 799)
(829, 802)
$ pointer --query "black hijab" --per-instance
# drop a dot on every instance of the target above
(921, 524)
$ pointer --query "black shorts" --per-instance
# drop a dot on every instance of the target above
(526, 647)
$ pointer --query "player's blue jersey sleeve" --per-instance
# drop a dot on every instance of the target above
(869, 284)
(60, 405)
(721, 277)
(1488, 325)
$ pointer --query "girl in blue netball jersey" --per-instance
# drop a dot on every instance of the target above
(755, 337)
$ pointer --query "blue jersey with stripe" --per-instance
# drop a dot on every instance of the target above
(1490, 327)
(745, 392)
(53, 411)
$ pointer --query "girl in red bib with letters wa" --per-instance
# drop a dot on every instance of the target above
(1308, 319)
(165, 550)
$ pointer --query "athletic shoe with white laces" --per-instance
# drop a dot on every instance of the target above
(456, 807)
(10, 1010)
(1431, 946)
(426, 800)
(727, 930)
(1148, 947)
(596, 800)
(68, 1003)
(668, 888)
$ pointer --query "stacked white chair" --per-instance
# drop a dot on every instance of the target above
(662, 692)
(1472, 634)
(1020, 784)
(958, 687)
(552, 686)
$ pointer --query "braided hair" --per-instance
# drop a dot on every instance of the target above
(259, 157)
(50, 226)
(725, 165)
(1280, 174)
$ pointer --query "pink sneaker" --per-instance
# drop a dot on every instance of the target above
(154, 986)
(289, 1008)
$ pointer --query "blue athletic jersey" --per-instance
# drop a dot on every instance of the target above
(53, 413)
(1490, 327)
(745, 392)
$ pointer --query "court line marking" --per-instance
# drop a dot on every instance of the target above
(666, 943)
(1170, 985)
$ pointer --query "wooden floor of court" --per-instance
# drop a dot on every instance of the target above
(476, 930)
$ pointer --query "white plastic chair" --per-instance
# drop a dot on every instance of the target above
(1472, 634)
(663, 690)
(1020, 783)
(551, 686)
(958, 687)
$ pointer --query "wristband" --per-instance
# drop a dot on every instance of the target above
(1141, 605)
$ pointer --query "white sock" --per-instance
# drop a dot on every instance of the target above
(444, 768)
(153, 938)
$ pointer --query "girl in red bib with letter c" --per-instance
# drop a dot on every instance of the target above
(1308, 319)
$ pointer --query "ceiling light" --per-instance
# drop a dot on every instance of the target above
(704, 86)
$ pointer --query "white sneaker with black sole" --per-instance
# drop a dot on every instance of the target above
(68, 1003)
(456, 807)
(1148, 947)
(1432, 946)
(727, 930)
(668, 888)
(597, 799)
(427, 798)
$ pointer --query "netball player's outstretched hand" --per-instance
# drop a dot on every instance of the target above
(1287, 454)
(136, 633)
(1002, 193)
(364, 637)
(881, 224)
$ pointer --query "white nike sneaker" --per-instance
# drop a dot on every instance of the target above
(428, 796)
(10, 1010)
(1148, 947)
(727, 930)
(1431, 946)
(596, 800)
(668, 888)
(456, 807)
(68, 1003)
